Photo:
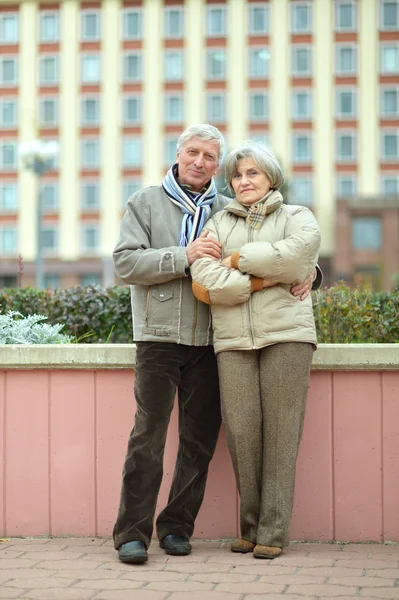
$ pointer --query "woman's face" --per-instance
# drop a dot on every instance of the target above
(249, 183)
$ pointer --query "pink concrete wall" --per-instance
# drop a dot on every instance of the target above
(64, 436)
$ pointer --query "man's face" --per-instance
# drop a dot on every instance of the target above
(198, 161)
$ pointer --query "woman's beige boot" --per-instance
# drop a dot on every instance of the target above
(242, 546)
(267, 551)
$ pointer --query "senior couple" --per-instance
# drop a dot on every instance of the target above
(220, 297)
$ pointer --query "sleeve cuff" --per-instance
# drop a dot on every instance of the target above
(318, 280)
(235, 257)
(256, 284)
(201, 293)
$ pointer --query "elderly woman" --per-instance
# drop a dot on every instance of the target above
(264, 338)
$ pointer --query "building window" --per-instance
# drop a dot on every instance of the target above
(49, 26)
(366, 233)
(131, 24)
(346, 186)
(389, 58)
(131, 110)
(90, 196)
(90, 153)
(8, 156)
(216, 64)
(259, 62)
(51, 281)
(302, 105)
(8, 113)
(49, 196)
(173, 66)
(8, 240)
(48, 70)
(301, 61)
(8, 70)
(8, 197)
(174, 109)
(8, 28)
(302, 148)
(390, 146)
(90, 279)
(301, 17)
(48, 112)
(170, 151)
(131, 152)
(132, 67)
(258, 18)
(301, 191)
(260, 138)
(216, 20)
(174, 22)
(346, 103)
(258, 106)
(49, 239)
(90, 239)
(90, 25)
(216, 107)
(390, 185)
(389, 16)
(90, 68)
(345, 16)
(90, 111)
(130, 187)
(346, 147)
(346, 60)
(390, 102)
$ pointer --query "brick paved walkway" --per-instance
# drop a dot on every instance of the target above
(86, 568)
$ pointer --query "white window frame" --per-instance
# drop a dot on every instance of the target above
(340, 178)
(85, 13)
(294, 71)
(167, 118)
(295, 116)
(83, 99)
(168, 160)
(381, 19)
(170, 53)
(49, 13)
(6, 142)
(251, 116)
(4, 100)
(136, 165)
(339, 27)
(309, 158)
(167, 10)
(54, 249)
(9, 227)
(294, 27)
(86, 249)
(83, 166)
(384, 158)
(209, 76)
(345, 89)
(46, 183)
(343, 46)
(3, 209)
(382, 48)
(132, 53)
(386, 176)
(303, 179)
(134, 10)
(221, 95)
(4, 58)
(389, 88)
(43, 123)
(345, 159)
(42, 58)
(4, 16)
(85, 208)
(251, 8)
(84, 56)
(128, 96)
(251, 51)
(209, 8)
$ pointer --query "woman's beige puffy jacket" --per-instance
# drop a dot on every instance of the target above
(284, 250)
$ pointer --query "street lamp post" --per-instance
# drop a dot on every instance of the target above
(38, 156)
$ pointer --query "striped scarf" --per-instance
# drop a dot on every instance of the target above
(195, 206)
(257, 212)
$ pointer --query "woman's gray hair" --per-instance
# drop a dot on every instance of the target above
(203, 132)
(263, 156)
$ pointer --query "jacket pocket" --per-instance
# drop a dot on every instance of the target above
(227, 322)
(160, 305)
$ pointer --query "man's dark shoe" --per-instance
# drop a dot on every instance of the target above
(133, 552)
(176, 545)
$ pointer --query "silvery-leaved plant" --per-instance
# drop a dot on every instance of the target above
(17, 329)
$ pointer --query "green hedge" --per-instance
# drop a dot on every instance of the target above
(97, 315)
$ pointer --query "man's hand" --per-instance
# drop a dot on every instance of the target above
(303, 289)
(203, 247)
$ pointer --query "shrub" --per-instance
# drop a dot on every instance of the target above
(17, 329)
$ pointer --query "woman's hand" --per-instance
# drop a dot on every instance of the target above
(303, 289)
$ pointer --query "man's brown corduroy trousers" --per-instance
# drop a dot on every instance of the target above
(263, 395)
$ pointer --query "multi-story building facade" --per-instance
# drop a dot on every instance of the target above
(116, 81)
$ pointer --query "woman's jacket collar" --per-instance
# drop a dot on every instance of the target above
(273, 202)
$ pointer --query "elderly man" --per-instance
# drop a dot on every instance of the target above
(161, 236)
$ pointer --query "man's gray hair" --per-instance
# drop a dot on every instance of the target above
(203, 132)
(262, 155)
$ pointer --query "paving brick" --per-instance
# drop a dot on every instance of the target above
(384, 593)
(304, 561)
(108, 584)
(80, 541)
(180, 586)
(53, 555)
(222, 577)
(33, 547)
(120, 566)
(24, 573)
(16, 563)
(191, 558)
(8, 553)
(104, 556)
(316, 547)
(86, 574)
(22, 541)
(39, 582)
(368, 563)
(260, 568)
(8, 594)
(251, 588)
(92, 550)
(384, 573)
(138, 595)
(198, 568)
(203, 596)
(146, 575)
(291, 579)
(280, 597)
(362, 581)
(64, 594)
(322, 590)
(332, 572)
(69, 564)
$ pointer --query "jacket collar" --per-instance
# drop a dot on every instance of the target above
(273, 202)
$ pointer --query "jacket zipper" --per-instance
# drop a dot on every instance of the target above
(251, 332)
